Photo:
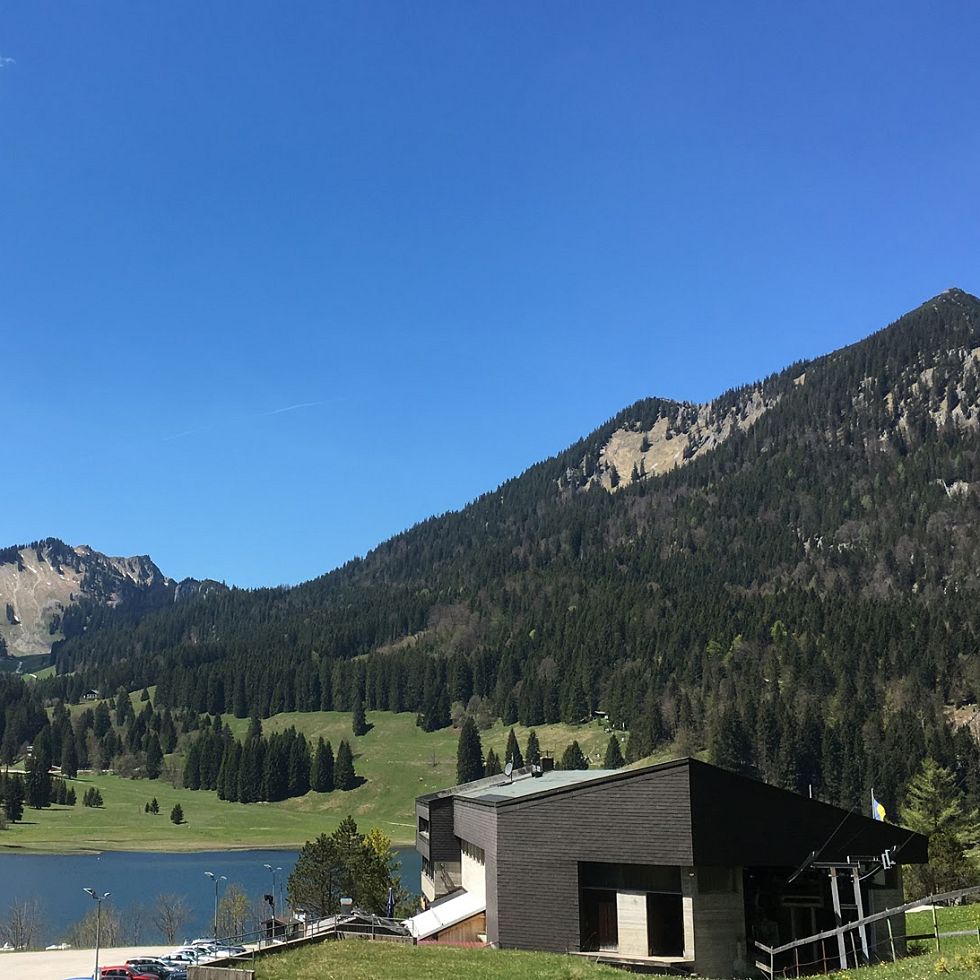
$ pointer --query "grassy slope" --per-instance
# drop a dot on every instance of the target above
(360, 960)
(958, 958)
(398, 760)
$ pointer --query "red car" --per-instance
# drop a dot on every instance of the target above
(126, 971)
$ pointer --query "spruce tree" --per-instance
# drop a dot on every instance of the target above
(154, 757)
(935, 806)
(532, 754)
(513, 751)
(574, 758)
(469, 753)
(359, 724)
(37, 783)
(327, 778)
(177, 814)
(321, 769)
(344, 775)
(614, 755)
(299, 767)
(492, 766)
(192, 765)
(69, 755)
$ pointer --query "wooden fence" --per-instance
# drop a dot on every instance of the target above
(848, 931)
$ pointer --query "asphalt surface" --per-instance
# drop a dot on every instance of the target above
(62, 964)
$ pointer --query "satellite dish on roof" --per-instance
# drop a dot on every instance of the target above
(508, 769)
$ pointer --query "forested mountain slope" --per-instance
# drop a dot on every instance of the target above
(788, 576)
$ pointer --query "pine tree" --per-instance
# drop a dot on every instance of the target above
(513, 752)
(321, 770)
(328, 779)
(177, 814)
(344, 775)
(492, 766)
(154, 757)
(935, 806)
(69, 754)
(359, 725)
(192, 765)
(614, 755)
(469, 753)
(533, 753)
(574, 758)
(37, 783)
(299, 767)
(154, 806)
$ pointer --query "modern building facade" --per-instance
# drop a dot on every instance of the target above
(680, 863)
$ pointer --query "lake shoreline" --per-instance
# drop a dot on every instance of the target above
(160, 847)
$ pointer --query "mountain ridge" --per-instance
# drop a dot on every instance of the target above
(46, 586)
(817, 569)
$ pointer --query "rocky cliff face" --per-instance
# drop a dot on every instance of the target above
(38, 582)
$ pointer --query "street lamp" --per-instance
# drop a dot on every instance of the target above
(274, 871)
(99, 899)
(215, 878)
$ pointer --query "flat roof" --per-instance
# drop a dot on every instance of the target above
(532, 785)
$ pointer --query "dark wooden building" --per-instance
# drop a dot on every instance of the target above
(680, 863)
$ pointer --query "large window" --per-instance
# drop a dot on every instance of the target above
(423, 827)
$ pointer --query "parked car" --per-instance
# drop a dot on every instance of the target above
(223, 952)
(182, 959)
(126, 972)
(156, 966)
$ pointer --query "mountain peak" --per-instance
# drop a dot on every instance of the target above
(40, 581)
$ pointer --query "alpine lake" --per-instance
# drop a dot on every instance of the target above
(135, 879)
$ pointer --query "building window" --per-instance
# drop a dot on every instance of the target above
(423, 827)
(427, 868)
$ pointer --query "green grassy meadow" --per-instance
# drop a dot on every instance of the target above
(397, 759)
(360, 960)
(958, 958)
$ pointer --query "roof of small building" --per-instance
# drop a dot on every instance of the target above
(531, 785)
(729, 818)
(449, 911)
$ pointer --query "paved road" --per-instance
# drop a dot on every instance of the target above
(59, 964)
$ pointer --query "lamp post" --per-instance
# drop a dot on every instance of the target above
(215, 878)
(99, 899)
(274, 871)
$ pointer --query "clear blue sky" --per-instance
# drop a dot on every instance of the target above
(461, 235)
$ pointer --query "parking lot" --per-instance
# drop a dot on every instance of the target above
(60, 964)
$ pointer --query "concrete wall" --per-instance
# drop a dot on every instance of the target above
(880, 899)
(719, 927)
(473, 871)
(219, 973)
(631, 919)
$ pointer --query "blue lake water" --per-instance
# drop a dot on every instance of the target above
(136, 878)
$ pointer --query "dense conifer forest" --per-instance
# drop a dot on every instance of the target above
(802, 602)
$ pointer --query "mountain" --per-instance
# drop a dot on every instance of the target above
(785, 577)
(48, 588)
